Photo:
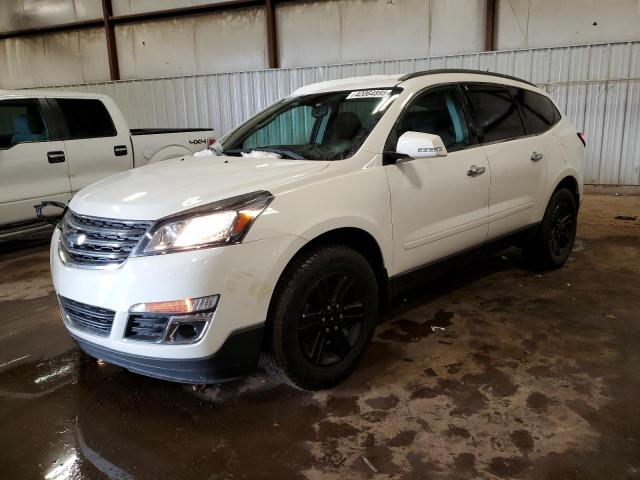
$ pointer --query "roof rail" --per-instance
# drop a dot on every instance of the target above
(462, 70)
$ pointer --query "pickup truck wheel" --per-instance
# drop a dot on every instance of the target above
(323, 317)
(551, 244)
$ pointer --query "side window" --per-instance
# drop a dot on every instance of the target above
(86, 118)
(437, 111)
(21, 121)
(539, 111)
(496, 112)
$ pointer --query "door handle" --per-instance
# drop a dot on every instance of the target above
(120, 150)
(536, 157)
(475, 171)
(55, 157)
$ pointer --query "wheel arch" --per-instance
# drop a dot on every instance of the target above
(356, 238)
(165, 153)
(570, 182)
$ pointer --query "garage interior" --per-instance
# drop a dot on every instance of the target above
(493, 371)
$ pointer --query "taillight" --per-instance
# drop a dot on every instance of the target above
(211, 141)
(582, 138)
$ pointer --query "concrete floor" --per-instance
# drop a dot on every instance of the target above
(493, 372)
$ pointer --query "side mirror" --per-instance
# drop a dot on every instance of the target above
(419, 145)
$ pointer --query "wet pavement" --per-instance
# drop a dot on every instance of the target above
(491, 372)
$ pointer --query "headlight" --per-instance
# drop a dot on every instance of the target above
(220, 223)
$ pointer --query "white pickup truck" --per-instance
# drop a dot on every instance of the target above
(52, 144)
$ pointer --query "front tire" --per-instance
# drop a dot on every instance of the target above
(550, 245)
(323, 316)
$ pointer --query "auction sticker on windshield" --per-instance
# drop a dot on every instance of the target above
(368, 94)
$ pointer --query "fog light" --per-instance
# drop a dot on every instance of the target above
(174, 322)
(187, 328)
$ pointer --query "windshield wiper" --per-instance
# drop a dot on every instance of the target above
(234, 152)
(284, 153)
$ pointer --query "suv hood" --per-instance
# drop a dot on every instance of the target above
(165, 188)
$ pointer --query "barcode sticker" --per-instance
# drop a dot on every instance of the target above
(368, 94)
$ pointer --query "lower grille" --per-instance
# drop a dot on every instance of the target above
(94, 242)
(146, 328)
(87, 318)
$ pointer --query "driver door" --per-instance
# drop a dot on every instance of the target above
(438, 207)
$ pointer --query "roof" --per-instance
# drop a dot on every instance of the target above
(463, 71)
(390, 81)
(46, 93)
(352, 83)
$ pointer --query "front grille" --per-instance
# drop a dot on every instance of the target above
(94, 242)
(90, 319)
(146, 328)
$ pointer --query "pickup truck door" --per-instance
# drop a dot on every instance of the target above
(439, 205)
(517, 161)
(97, 146)
(33, 164)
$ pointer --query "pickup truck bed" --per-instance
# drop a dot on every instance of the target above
(162, 143)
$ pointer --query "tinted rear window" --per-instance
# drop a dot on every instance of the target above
(538, 110)
(496, 112)
(86, 118)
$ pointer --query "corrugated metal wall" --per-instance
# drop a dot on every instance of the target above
(598, 86)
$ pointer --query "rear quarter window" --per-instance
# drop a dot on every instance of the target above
(496, 112)
(86, 118)
(539, 112)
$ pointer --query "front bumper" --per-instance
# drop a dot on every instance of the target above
(238, 356)
(243, 275)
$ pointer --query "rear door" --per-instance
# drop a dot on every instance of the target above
(33, 164)
(95, 147)
(516, 160)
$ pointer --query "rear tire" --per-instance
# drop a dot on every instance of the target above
(550, 245)
(323, 316)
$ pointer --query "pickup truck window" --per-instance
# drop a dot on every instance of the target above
(86, 118)
(437, 111)
(21, 121)
(496, 111)
(324, 126)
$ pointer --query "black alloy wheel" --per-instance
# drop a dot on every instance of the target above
(331, 322)
(562, 227)
(549, 245)
(322, 317)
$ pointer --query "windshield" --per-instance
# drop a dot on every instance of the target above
(322, 126)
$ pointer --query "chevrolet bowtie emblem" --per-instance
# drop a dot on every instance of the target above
(76, 239)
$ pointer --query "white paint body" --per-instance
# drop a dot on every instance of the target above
(418, 212)
(27, 177)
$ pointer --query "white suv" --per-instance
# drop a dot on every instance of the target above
(285, 242)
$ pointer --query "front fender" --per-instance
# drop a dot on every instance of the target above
(358, 199)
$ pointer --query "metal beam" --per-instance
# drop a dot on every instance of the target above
(489, 28)
(65, 27)
(112, 51)
(185, 11)
(108, 21)
(272, 34)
